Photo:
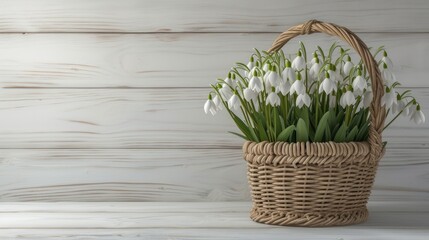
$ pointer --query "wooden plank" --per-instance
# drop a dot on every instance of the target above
(203, 221)
(179, 207)
(273, 233)
(209, 16)
(138, 118)
(166, 60)
(167, 175)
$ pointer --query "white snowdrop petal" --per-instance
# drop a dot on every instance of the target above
(347, 67)
(255, 84)
(209, 106)
(234, 102)
(284, 88)
(273, 99)
(298, 63)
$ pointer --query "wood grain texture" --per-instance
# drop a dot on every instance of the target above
(208, 16)
(384, 232)
(167, 60)
(113, 112)
(169, 175)
(138, 118)
(221, 220)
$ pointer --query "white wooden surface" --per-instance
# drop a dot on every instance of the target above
(102, 100)
(174, 220)
(165, 174)
(165, 60)
(208, 16)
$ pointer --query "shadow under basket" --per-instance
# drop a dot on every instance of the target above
(309, 184)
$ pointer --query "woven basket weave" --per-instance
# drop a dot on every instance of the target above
(317, 184)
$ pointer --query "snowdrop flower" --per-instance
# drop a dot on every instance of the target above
(255, 83)
(389, 98)
(417, 115)
(266, 67)
(230, 80)
(412, 108)
(327, 85)
(399, 106)
(388, 77)
(273, 98)
(347, 66)
(359, 84)
(313, 60)
(298, 63)
(288, 73)
(225, 91)
(250, 95)
(297, 87)
(334, 74)
(348, 98)
(273, 77)
(251, 63)
(315, 68)
(249, 75)
(284, 88)
(387, 60)
(367, 98)
(217, 101)
(303, 99)
(234, 102)
(210, 106)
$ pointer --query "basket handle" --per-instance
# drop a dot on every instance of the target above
(378, 113)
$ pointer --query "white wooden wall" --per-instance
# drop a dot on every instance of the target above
(102, 100)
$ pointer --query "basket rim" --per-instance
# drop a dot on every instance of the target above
(305, 153)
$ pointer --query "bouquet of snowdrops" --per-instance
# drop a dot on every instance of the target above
(325, 98)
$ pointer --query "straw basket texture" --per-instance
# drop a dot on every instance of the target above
(317, 184)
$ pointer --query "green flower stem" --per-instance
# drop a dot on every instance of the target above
(397, 115)
(348, 115)
(267, 119)
(317, 108)
(304, 55)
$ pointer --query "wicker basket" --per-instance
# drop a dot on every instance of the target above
(317, 184)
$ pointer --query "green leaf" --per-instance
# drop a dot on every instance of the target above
(261, 130)
(334, 131)
(282, 122)
(321, 128)
(277, 124)
(341, 133)
(253, 133)
(352, 134)
(332, 120)
(286, 133)
(240, 135)
(340, 116)
(305, 117)
(365, 119)
(311, 134)
(243, 127)
(261, 118)
(328, 134)
(363, 133)
(356, 119)
(301, 131)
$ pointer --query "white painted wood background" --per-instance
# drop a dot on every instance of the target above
(102, 100)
